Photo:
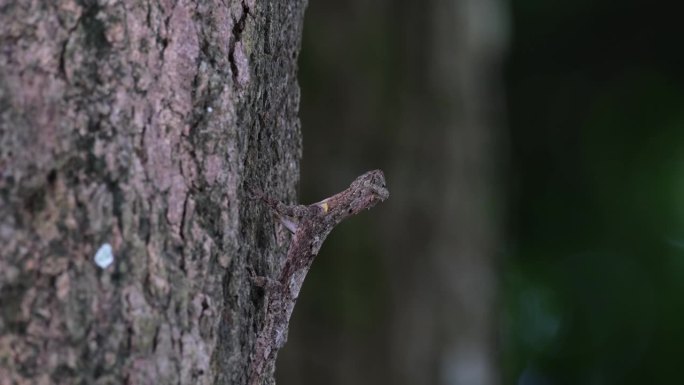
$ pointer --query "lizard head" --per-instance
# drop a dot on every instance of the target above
(370, 189)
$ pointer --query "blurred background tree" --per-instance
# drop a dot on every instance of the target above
(406, 295)
(534, 234)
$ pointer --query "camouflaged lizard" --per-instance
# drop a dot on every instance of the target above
(310, 226)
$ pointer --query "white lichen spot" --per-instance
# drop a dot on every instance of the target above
(104, 256)
(210, 110)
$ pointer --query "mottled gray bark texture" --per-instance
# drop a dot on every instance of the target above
(139, 124)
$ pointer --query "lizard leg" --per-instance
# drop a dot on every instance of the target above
(289, 224)
(281, 209)
(266, 283)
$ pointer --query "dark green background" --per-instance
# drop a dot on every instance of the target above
(594, 278)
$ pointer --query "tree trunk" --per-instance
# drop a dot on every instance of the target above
(138, 126)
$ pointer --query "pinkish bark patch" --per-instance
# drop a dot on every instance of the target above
(242, 64)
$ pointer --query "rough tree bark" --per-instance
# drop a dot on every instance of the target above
(139, 124)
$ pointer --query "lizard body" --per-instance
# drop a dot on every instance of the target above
(310, 226)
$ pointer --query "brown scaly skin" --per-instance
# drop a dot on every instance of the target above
(311, 225)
